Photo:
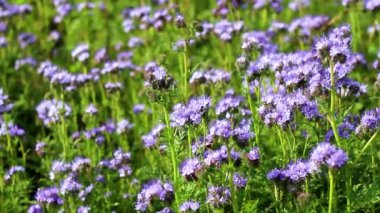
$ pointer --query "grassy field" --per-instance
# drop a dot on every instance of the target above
(189, 106)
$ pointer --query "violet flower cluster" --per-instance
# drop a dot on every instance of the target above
(210, 76)
(322, 154)
(190, 113)
(151, 190)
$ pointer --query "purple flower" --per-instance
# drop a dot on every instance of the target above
(84, 192)
(128, 25)
(153, 189)
(242, 133)
(337, 159)
(190, 113)
(35, 208)
(181, 44)
(151, 138)
(9, 128)
(165, 210)
(5, 105)
(298, 4)
(189, 206)
(242, 62)
(274, 4)
(49, 195)
(211, 76)
(239, 181)
(25, 39)
(321, 152)
(123, 126)
(276, 175)
(369, 121)
(228, 103)
(218, 196)
(83, 209)
(221, 128)
(13, 170)
(189, 168)
(81, 52)
(225, 29)
(157, 77)
(54, 36)
(101, 55)
(371, 5)
(113, 86)
(216, 157)
(303, 26)
(100, 179)
(91, 109)
(348, 126)
(138, 108)
(253, 156)
(258, 40)
(39, 148)
(59, 167)
(25, 61)
(3, 42)
(125, 171)
(52, 111)
(299, 170)
(347, 2)
(179, 21)
(325, 153)
(135, 42)
(79, 163)
(204, 30)
(70, 184)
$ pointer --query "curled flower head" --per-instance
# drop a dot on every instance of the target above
(52, 111)
(239, 181)
(190, 168)
(49, 195)
(218, 196)
(190, 113)
(189, 206)
(328, 154)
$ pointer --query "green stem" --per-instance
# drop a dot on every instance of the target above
(189, 142)
(332, 93)
(334, 127)
(279, 132)
(235, 207)
(332, 191)
(252, 109)
(368, 143)
(332, 103)
(348, 189)
(185, 69)
(277, 197)
(172, 152)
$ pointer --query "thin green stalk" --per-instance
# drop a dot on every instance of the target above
(348, 189)
(251, 108)
(279, 132)
(277, 197)
(189, 142)
(9, 144)
(235, 207)
(332, 93)
(368, 143)
(332, 191)
(185, 66)
(331, 117)
(334, 127)
(172, 152)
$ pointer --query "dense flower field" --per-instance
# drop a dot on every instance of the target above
(189, 106)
